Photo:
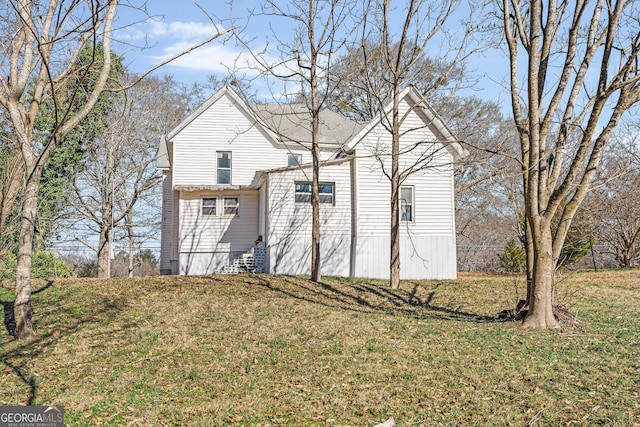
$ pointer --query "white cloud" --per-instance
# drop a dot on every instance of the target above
(167, 39)
(159, 30)
(211, 57)
(181, 30)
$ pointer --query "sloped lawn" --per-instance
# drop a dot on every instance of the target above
(264, 350)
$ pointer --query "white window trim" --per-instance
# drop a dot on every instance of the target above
(298, 158)
(214, 206)
(333, 193)
(230, 168)
(412, 203)
(223, 211)
(219, 206)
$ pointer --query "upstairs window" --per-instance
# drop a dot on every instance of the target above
(294, 159)
(406, 204)
(209, 205)
(223, 168)
(326, 193)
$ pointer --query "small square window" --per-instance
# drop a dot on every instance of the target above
(294, 159)
(209, 205)
(231, 206)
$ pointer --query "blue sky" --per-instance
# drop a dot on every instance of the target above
(176, 26)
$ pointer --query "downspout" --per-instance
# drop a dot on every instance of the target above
(176, 231)
(354, 217)
(453, 219)
(266, 238)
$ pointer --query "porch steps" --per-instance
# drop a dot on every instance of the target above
(249, 262)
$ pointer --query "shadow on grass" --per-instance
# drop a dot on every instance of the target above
(18, 354)
(8, 306)
(9, 319)
(415, 302)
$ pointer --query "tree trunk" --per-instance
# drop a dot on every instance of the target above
(104, 252)
(540, 313)
(22, 305)
(315, 207)
(132, 243)
(530, 258)
(394, 259)
(394, 267)
(315, 149)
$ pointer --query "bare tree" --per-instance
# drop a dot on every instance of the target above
(322, 30)
(581, 76)
(613, 206)
(388, 68)
(40, 44)
(362, 87)
(118, 185)
(40, 34)
(488, 198)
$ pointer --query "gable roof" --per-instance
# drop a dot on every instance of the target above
(283, 122)
(428, 116)
(225, 91)
(162, 156)
(292, 122)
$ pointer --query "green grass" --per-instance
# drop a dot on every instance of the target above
(263, 350)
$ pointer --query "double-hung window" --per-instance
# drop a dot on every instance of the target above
(230, 206)
(209, 205)
(406, 204)
(325, 194)
(223, 167)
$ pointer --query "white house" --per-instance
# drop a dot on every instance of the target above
(236, 190)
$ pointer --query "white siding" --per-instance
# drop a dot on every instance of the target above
(421, 257)
(202, 263)
(289, 240)
(427, 243)
(204, 244)
(206, 241)
(225, 127)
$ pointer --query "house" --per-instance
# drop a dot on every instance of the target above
(236, 191)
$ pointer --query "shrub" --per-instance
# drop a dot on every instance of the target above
(44, 265)
(8, 265)
(514, 258)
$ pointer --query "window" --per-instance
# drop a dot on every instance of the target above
(406, 204)
(294, 159)
(209, 205)
(303, 192)
(223, 167)
(231, 206)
